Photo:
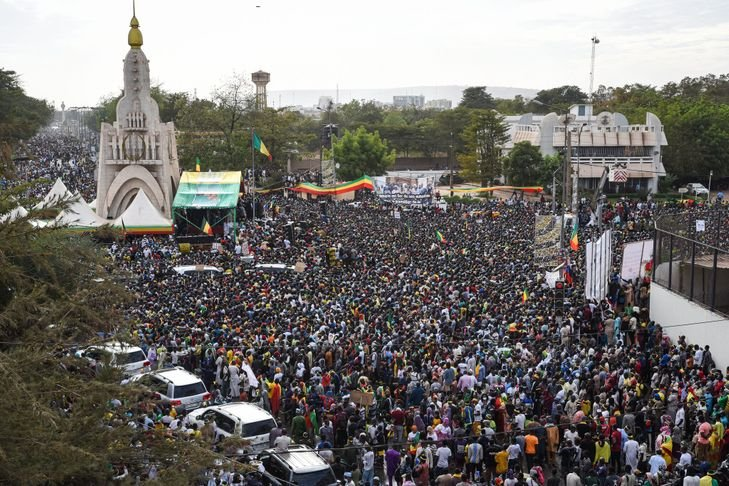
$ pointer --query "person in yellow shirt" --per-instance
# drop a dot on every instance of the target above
(602, 451)
(502, 461)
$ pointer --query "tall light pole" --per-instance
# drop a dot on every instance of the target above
(708, 195)
(595, 41)
(450, 165)
(576, 180)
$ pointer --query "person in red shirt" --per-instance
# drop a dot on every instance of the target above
(616, 442)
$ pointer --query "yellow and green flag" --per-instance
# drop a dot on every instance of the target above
(207, 229)
(197, 164)
(440, 236)
(260, 146)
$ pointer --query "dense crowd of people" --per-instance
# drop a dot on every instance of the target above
(428, 348)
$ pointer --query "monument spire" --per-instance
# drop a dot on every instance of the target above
(135, 35)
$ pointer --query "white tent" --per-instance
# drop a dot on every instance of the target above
(78, 214)
(59, 192)
(19, 212)
(142, 217)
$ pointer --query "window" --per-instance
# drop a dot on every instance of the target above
(224, 423)
(133, 357)
(258, 428)
(581, 110)
(190, 390)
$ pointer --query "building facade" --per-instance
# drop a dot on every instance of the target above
(599, 141)
(408, 101)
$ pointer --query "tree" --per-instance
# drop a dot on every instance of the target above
(477, 98)
(484, 138)
(20, 117)
(233, 99)
(523, 163)
(362, 153)
(557, 99)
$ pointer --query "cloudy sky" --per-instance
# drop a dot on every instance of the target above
(72, 50)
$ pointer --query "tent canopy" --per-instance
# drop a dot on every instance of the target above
(208, 190)
(59, 192)
(79, 215)
(142, 217)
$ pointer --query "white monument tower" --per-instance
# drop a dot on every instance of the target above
(138, 152)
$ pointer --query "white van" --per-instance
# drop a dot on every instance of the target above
(131, 359)
(242, 419)
(175, 386)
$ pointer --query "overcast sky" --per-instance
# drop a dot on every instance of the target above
(72, 50)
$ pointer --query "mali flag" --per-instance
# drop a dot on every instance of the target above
(440, 237)
(574, 243)
(207, 229)
(260, 146)
(524, 296)
(197, 164)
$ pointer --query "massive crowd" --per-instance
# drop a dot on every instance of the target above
(477, 373)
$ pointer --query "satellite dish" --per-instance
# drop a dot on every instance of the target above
(337, 165)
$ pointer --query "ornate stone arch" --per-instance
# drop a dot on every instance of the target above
(126, 184)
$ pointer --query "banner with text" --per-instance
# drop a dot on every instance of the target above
(405, 191)
(636, 256)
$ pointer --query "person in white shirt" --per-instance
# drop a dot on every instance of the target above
(443, 455)
(368, 467)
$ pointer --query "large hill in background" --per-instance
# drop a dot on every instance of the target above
(310, 97)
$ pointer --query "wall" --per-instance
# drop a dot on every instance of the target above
(678, 317)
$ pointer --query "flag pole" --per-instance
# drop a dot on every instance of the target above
(253, 179)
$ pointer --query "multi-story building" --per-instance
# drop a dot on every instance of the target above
(408, 101)
(442, 104)
(598, 141)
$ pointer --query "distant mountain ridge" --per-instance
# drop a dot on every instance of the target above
(310, 97)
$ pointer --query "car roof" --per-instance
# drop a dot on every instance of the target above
(177, 376)
(246, 412)
(116, 347)
(182, 269)
(300, 458)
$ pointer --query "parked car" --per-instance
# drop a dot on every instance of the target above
(298, 465)
(197, 270)
(244, 420)
(697, 189)
(131, 359)
(175, 386)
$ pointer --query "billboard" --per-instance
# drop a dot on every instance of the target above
(405, 191)
(546, 241)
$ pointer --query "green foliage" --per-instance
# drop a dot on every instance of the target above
(557, 99)
(477, 98)
(21, 116)
(523, 164)
(515, 106)
(484, 137)
(361, 152)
